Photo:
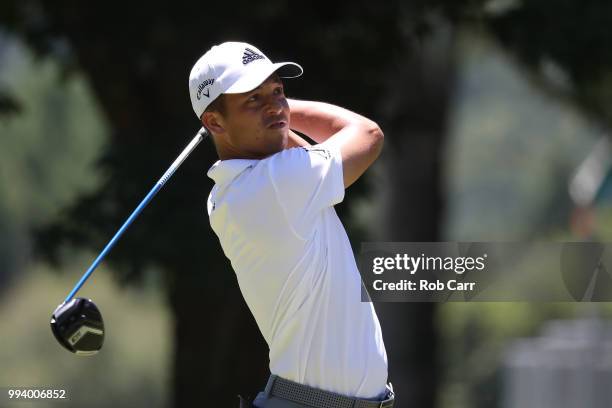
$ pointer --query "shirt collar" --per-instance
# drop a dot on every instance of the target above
(224, 171)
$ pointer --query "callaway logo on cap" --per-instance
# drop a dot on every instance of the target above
(232, 67)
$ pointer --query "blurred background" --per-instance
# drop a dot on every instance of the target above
(497, 122)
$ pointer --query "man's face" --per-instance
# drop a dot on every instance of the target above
(256, 123)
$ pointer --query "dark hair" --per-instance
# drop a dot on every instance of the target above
(218, 105)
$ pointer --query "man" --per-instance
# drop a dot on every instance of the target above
(272, 209)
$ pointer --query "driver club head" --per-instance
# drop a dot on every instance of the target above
(78, 326)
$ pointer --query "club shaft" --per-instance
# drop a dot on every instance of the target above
(160, 183)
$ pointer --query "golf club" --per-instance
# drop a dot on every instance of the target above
(77, 323)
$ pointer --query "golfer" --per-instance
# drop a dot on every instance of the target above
(272, 207)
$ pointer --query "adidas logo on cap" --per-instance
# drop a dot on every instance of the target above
(250, 56)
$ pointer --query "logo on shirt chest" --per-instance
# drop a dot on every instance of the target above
(320, 151)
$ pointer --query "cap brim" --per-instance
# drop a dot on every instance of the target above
(259, 74)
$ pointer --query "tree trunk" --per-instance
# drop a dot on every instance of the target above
(416, 115)
(218, 351)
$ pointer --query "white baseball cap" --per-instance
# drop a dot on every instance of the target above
(232, 67)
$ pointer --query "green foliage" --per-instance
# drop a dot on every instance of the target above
(47, 151)
(511, 153)
(131, 370)
(47, 155)
(511, 149)
(573, 34)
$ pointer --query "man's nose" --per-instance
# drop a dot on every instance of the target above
(274, 106)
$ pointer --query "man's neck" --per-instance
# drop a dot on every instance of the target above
(227, 152)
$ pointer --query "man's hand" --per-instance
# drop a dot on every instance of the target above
(358, 138)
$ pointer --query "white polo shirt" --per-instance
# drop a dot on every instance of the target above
(296, 270)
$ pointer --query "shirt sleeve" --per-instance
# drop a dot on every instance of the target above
(306, 181)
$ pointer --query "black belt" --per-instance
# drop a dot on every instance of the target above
(317, 398)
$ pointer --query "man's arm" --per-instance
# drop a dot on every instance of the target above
(358, 138)
(296, 140)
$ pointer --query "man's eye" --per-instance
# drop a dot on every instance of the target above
(278, 91)
(253, 98)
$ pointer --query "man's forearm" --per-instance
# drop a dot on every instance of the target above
(319, 120)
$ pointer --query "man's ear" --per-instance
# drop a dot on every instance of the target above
(212, 122)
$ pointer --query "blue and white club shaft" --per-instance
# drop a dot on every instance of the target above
(160, 183)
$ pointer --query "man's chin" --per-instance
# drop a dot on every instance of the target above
(281, 137)
(277, 143)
